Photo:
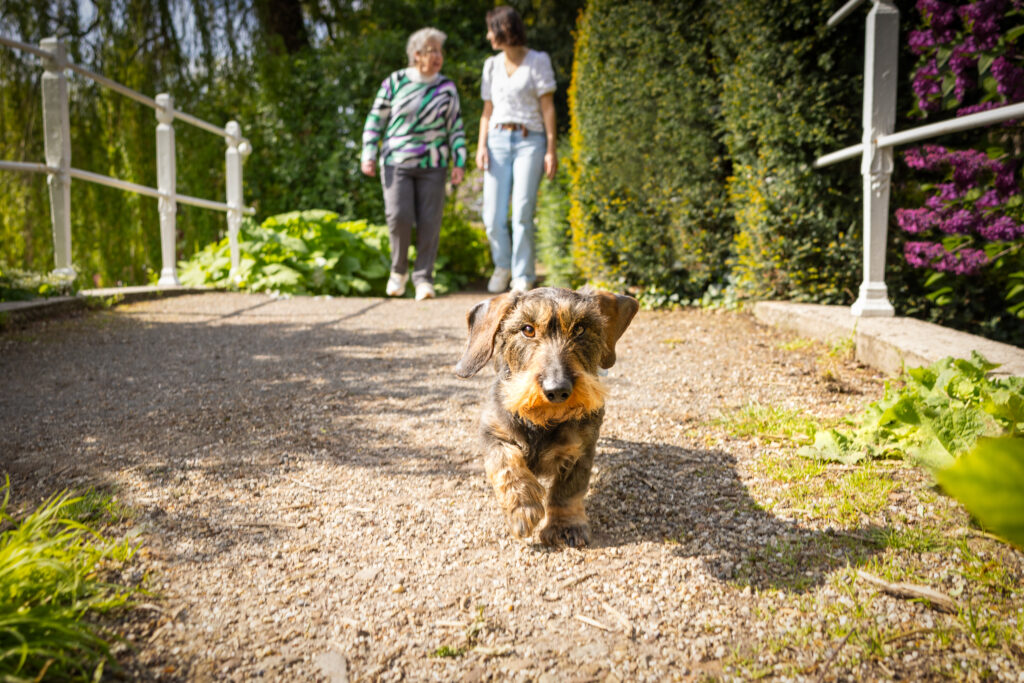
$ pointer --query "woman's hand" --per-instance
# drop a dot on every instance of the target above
(482, 158)
(550, 165)
(369, 167)
(458, 173)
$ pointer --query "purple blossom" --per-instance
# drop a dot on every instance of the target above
(1006, 178)
(989, 200)
(966, 261)
(968, 164)
(921, 41)
(975, 108)
(917, 221)
(1000, 229)
(934, 202)
(927, 86)
(964, 67)
(982, 20)
(923, 254)
(960, 222)
(1009, 79)
(926, 157)
(941, 18)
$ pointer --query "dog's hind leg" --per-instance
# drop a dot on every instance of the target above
(519, 493)
(566, 522)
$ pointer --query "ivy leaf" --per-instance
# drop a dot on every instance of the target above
(989, 482)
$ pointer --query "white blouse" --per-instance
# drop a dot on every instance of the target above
(516, 98)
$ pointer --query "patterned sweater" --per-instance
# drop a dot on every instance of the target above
(415, 123)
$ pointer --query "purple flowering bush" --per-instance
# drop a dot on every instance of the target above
(968, 230)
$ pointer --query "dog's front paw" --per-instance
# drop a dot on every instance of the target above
(524, 518)
(571, 535)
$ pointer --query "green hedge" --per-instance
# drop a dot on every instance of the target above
(693, 132)
(648, 202)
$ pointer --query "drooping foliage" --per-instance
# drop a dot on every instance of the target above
(299, 90)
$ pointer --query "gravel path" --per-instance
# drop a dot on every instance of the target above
(312, 507)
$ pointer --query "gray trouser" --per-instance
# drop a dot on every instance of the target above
(414, 196)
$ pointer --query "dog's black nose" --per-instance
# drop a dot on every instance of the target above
(557, 389)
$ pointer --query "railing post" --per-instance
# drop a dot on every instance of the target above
(167, 184)
(880, 62)
(57, 143)
(237, 150)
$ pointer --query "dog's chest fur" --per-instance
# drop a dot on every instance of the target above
(547, 451)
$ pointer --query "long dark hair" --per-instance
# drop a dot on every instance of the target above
(507, 26)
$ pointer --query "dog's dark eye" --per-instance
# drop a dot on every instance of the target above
(580, 330)
(528, 331)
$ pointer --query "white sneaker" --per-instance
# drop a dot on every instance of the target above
(521, 284)
(396, 284)
(424, 290)
(499, 281)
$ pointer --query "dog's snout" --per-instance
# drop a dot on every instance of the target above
(557, 385)
(556, 392)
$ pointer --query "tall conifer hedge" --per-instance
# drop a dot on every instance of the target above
(694, 129)
(648, 201)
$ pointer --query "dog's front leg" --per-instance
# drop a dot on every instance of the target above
(519, 493)
(566, 518)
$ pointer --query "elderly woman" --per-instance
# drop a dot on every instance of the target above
(415, 129)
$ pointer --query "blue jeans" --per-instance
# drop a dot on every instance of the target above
(516, 164)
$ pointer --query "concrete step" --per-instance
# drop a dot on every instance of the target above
(888, 344)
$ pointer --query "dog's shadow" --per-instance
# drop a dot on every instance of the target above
(695, 501)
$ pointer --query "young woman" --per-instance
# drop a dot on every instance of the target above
(516, 145)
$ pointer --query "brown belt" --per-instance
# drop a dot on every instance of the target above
(514, 126)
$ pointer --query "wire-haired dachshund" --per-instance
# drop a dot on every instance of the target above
(541, 421)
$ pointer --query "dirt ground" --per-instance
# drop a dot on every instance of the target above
(305, 482)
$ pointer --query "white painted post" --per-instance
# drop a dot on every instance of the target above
(880, 62)
(57, 144)
(167, 184)
(237, 150)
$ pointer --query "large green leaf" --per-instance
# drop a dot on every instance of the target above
(989, 482)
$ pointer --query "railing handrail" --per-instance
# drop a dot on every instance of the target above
(931, 130)
(123, 89)
(58, 150)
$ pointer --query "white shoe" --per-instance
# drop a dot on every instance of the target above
(521, 284)
(499, 281)
(396, 284)
(424, 290)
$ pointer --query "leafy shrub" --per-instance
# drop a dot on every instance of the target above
(989, 481)
(19, 285)
(964, 230)
(314, 252)
(939, 413)
(303, 252)
(51, 591)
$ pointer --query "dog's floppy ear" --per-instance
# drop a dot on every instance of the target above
(483, 321)
(618, 310)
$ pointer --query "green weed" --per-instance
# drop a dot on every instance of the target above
(51, 590)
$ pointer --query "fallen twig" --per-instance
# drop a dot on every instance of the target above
(911, 591)
(620, 617)
(579, 579)
(592, 622)
(835, 653)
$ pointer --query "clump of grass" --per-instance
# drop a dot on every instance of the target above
(768, 423)
(52, 591)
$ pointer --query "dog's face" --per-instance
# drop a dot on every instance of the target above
(548, 344)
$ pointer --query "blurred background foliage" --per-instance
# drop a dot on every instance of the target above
(688, 133)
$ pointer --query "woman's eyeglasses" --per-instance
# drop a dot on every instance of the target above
(431, 51)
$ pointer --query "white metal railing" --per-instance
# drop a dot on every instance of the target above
(881, 54)
(57, 144)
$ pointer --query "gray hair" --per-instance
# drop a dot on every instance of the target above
(419, 40)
